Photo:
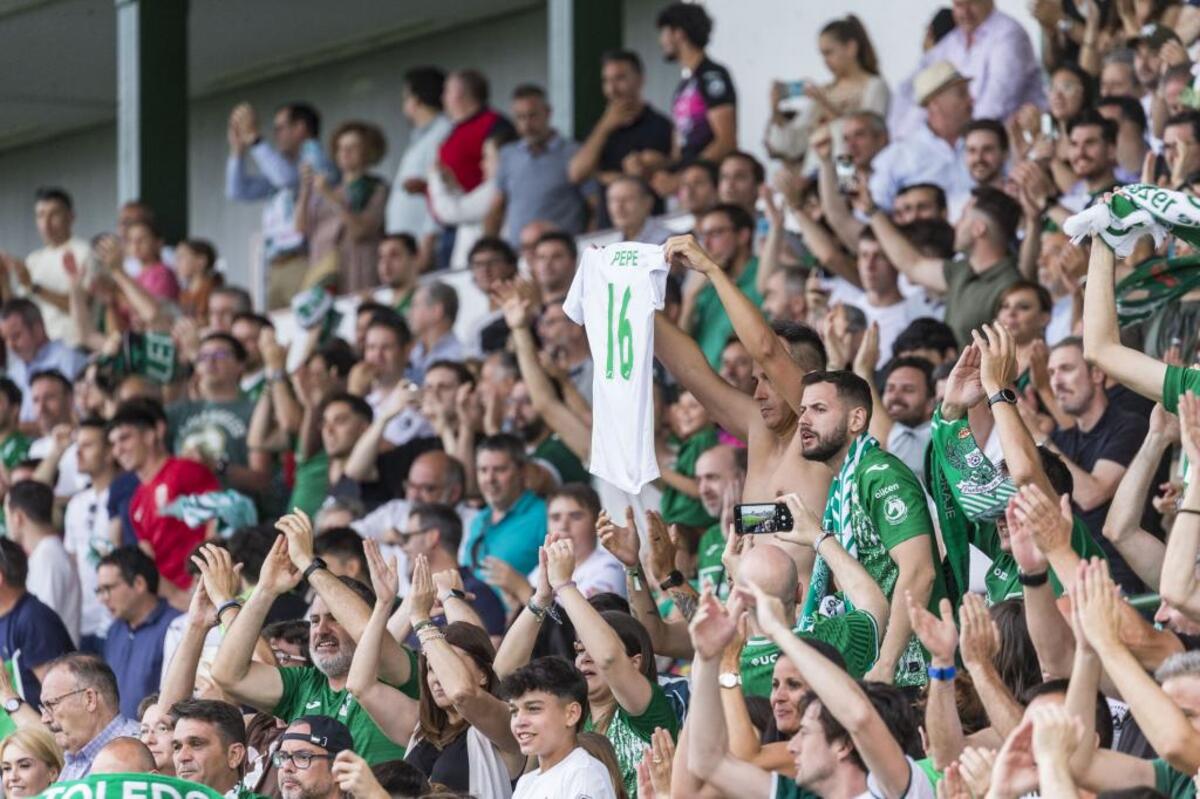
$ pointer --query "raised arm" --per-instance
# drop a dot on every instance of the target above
(828, 250)
(669, 638)
(748, 322)
(248, 682)
(518, 313)
(517, 646)
(1101, 337)
(216, 567)
(920, 269)
(768, 259)
(629, 686)
(394, 712)
(842, 696)
(361, 463)
(708, 754)
(729, 408)
(346, 606)
(942, 723)
(1123, 525)
(979, 643)
(833, 202)
(1052, 637)
(1164, 723)
(1178, 586)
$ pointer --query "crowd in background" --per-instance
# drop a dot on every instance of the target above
(379, 565)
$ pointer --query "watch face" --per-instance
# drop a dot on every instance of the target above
(12, 705)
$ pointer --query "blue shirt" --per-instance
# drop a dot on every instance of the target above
(135, 655)
(53, 355)
(535, 186)
(79, 765)
(514, 539)
(32, 634)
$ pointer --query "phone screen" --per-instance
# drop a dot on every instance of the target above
(766, 517)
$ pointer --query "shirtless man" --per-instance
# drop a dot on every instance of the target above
(767, 421)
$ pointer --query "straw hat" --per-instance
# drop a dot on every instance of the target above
(933, 79)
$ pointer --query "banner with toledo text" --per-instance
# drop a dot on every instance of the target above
(128, 786)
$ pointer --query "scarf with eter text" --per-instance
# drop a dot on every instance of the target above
(1138, 210)
(843, 496)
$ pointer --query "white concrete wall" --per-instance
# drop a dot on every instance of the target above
(759, 40)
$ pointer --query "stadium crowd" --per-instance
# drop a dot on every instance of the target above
(384, 567)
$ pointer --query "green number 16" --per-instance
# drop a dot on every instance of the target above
(624, 334)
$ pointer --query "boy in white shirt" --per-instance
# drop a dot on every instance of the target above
(548, 698)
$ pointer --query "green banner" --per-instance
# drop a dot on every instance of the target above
(128, 786)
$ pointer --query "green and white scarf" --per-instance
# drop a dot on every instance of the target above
(1154, 284)
(117, 786)
(1138, 210)
(839, 506)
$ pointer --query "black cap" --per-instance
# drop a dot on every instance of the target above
(323, 731)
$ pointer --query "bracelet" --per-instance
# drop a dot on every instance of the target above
(825, 534)
(634, 573)
(317, 563)
(233, 603)
(945, 674)
(1188, 510)
(567, 584)
(422, 624)
(1033, 580)
(541, 613)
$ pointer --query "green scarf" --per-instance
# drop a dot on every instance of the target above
(1138, 210)
(116, 786)
(843, 496)
(1153, 284)
(967, 490)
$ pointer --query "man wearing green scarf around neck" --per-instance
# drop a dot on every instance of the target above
(877, 509)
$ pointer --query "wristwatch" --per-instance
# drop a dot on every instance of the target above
(317, 563)
(1003, 395)
(452, 593)
(674, 580)
(730, 679)
(13, 704)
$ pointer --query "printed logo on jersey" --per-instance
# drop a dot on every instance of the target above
(715, 84)
(895, 510)
(883, 492)
(878, 467)
(624, 258)
(313, 704)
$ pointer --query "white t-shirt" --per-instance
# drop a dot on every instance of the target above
(919, 786)
(406, 426)
(46, 269)
(85, 537)
(393, 515)
(577, 776)
(53, 579)
(70, 480)
(599, 573)
(614, 295)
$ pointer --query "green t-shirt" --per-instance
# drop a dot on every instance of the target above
(306, 692)
(710, 570)
(1172, 783)
(1001, 580)
(311, 483)
(217, 430)
(678, 507)
(710, 324)
(891, 510)
(971, 297)
(855, 635)
(13, 450)
(562, 460)
(629, 735)
(255, 389)
(1177, 381)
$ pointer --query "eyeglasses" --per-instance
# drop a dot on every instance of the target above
(105, 590)
(712, 233)
(48, 705)
(300, 760)
(215, 355)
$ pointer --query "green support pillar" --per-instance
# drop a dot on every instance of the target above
(580, 32)
(152, 109)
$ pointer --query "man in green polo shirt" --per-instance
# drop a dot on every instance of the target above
(727, 233)
(720, 472)
(338, 616)
(973, 282)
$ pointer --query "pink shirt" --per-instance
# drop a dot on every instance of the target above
(159, 280)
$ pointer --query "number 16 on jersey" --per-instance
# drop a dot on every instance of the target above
(622, 331)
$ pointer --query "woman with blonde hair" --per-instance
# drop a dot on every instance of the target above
(30, 760)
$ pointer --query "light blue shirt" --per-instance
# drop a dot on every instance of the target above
(79, 765)
(514, 539)
(53, 355)
(921, 157)
(447, 348)
(535, 186)
(276, 181)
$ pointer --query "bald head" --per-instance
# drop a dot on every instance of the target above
(124, 755)
(772, 570)
(717, 469)
(435, 477)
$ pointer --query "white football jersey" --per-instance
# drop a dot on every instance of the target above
(614, 296)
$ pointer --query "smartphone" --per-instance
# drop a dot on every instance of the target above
(847, 176)
(766, 517)
(1049, 129)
